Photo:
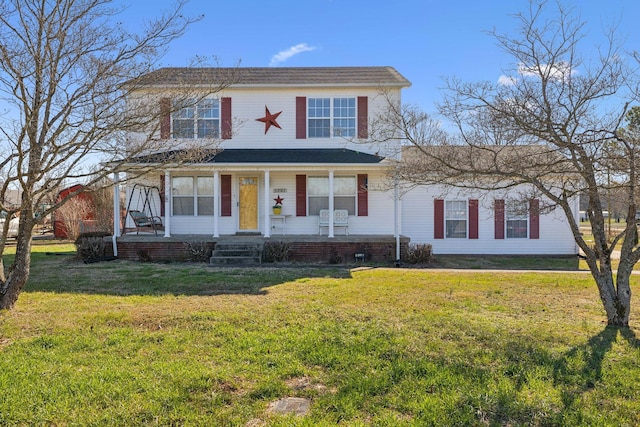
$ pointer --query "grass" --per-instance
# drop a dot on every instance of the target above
(124, 343)
(505, 262)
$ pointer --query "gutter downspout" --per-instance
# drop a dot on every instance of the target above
(116, 213)
(115, 246)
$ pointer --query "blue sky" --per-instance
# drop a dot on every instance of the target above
(425, 40)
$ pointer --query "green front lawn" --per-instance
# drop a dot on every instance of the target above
(122, 343)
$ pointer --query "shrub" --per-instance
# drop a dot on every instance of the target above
(91, 245)
(276, 251)
(419, 254)
(143, 255)
(199, 251)
(334, 257)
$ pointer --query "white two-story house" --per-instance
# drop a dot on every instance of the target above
(299, 138)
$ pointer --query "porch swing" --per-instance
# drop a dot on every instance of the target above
(146, 218)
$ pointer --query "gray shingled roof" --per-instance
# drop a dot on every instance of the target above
(277, 76)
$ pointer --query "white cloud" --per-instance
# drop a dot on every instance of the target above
(507, 80)
(556, 71)
(282, 56)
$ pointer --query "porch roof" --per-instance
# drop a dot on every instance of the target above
(272, 156)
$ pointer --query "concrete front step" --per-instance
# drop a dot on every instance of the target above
(235, 260)
(237, 253)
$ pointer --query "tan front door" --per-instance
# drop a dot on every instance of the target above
(248, 203)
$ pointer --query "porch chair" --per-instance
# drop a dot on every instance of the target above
(143, 221)
(340, 220)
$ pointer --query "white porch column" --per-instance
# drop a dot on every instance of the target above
(167, 203)
(117, 227)
(267, 204)
(216, 204)
(331, 207)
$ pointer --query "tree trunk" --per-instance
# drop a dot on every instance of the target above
(622, 303)
(623, 292)
(615, 297)
(19, 271)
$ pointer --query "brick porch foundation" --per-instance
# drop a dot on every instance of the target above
(313, 249)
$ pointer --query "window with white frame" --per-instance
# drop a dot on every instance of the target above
(201, 120)
(331, 117)
(455, 218)
(319, 117)
(204, 195)
(517, 220)
(192, 195)
(344, 117)
(344, 193)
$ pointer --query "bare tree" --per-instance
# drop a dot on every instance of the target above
(67, 74)
(555, 128)
(102, 198)
(72, 214)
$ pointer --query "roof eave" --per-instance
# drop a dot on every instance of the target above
(280, 86)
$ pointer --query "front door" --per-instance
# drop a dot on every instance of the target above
(248, 203)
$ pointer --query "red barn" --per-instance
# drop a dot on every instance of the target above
(60, 227)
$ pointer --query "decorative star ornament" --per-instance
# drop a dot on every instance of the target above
(278, 200)
(269, 120)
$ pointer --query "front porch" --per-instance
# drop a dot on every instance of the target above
(300, 248)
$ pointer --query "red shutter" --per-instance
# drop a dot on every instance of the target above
(363, 195)
(165, 118)
(363, 117)
(225, 195)
(473, 218)
(301, 195)
(498, 217)
(438, 219)
(301, 118)
(225, 118)
(534, 219)
(161, 191)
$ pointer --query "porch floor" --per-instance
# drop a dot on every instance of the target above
(150, 237)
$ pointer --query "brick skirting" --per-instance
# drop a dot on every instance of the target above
(344, 252)
(327, 251)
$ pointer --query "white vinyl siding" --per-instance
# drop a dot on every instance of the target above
(418, 219)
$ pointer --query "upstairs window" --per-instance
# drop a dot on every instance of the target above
(319, 117)
(344, 117)
(331, 117)
(201, 120)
